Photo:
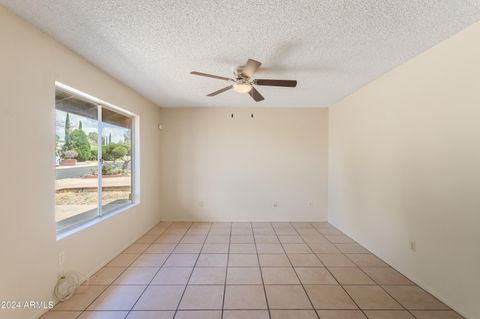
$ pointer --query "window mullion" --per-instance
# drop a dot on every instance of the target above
(100, 159)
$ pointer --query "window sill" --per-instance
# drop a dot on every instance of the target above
(67, 232)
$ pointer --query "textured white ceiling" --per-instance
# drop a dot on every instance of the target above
(331, 47)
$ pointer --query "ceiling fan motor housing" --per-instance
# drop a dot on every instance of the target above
(238, 72)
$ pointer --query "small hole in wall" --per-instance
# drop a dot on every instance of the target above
(231, 115)
(251, 115)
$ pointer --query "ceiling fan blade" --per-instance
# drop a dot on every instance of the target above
(256, 95)
(211, 76)
(269, 82)
(250, 67)
(220, 91)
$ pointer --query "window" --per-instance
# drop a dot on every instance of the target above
(95, 159)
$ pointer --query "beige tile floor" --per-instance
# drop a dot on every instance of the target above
(247, 271)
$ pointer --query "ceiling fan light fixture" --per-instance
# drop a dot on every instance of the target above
(242, 87)
(242, 82)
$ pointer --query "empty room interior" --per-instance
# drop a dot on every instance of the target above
(240, 159)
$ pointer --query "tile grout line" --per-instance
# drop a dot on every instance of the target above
(166, 226)
(295, 271)
(171, 252)
(194, 265)
(381, 286)
(226, 270)
(148, 285)
(108, 286)
(261, 274)
(403, 307)
(328, 270)
(378, 285)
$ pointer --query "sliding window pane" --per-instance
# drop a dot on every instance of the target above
(76, 185)
(117, 160)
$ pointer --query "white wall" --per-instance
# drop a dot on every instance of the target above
(405, 165)
(30, 63)
(237, 168)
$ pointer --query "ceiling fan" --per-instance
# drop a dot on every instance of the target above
(243, 82)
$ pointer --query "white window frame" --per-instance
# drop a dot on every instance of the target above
(135, 186)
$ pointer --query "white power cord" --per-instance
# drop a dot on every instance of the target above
(66, 286)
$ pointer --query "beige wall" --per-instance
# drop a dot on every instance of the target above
(30, 63)
(215, 167)
(405, 165)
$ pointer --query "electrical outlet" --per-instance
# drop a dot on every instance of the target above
(413, 246)
(61, 258)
